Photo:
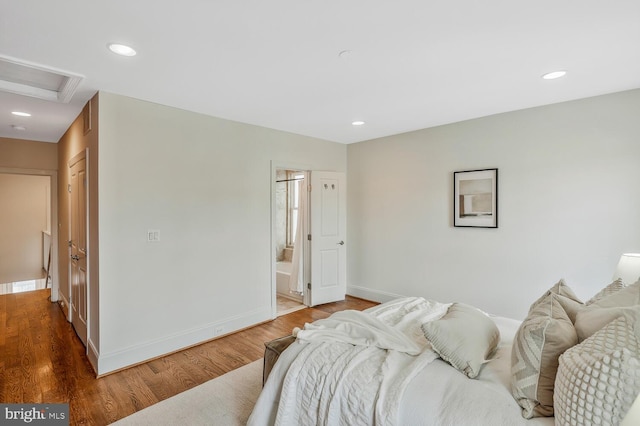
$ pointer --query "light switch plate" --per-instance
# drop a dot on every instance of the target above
(153, 235)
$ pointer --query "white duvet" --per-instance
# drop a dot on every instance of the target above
(376, 368)
(351, 368)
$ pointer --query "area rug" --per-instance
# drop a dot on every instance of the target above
(226, 400)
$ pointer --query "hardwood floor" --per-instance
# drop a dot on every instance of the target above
(42, 360)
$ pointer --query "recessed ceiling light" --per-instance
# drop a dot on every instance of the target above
(554, 75)
(21, 128)
(21, 114)
(357, 123)
(121, 49)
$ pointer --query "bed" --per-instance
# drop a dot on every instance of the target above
(413, 361)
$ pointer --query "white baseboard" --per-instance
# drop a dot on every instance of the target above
(64, 304)
(370, 294)
(136, 354)
(93, 355)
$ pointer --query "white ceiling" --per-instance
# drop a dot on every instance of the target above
(413, 64)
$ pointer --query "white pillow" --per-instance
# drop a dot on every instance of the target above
(607, 291)
(599, 379)
(627, 296)
(464, 337)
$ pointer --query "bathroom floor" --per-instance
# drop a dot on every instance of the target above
(22, 286)
(286, 305)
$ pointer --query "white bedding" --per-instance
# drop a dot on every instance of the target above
(441, 395)
(415, 389)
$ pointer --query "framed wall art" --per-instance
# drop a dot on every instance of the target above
(475, 198)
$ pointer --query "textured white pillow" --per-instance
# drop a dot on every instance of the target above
(599, 379)
(464, 337)
(607, 291)
(627, 296)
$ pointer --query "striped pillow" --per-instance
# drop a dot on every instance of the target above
(542, 337)
(567, 298)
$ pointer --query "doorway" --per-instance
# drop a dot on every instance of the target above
(28, 242)
(320, 236)
(290, 223)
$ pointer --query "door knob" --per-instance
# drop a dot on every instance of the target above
(75, 257)
(341, 243)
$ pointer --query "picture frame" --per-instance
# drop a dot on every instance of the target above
(475, 198)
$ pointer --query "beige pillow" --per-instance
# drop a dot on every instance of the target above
(601, 312)
(464, 337)
(591, 320)
(607, 291)
(567, 298)
(542, 337)
(599, 379)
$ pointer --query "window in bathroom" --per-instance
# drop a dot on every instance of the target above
(293, 189)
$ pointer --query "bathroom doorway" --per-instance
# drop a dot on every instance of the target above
(290, 224)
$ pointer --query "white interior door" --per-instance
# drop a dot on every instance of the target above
(328, 211)
(78, 245)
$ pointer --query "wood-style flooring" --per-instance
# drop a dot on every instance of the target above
(42, 360)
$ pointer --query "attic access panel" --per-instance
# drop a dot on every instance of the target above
(37, 81)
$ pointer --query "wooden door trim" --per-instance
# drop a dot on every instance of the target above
(84, 154)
